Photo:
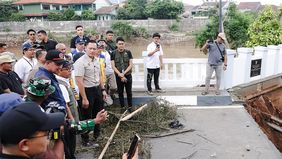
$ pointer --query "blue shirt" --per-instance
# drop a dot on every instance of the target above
(57, 95)
(215, 57)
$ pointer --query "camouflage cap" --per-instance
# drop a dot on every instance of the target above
(40, 87)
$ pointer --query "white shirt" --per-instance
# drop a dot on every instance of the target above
(64, 89)
(109, 69)
(23, 67)
(154, 60)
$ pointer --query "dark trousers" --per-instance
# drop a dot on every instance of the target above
(69, 143)
(128, 88)
(153, 72)
(96, 104)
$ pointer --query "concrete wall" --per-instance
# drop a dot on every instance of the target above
(186, 25)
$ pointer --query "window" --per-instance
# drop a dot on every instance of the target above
(77, 7)
(46, 6)
(56, 7)
(86, 7)
(20, 7)
(65, 7)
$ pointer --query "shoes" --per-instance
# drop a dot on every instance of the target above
(89, 144)
(205, 93)
(217, 93)
(159, 90)
(150, 93)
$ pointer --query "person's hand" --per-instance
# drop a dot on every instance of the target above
(123, 79)
(121, 75)
(224, 67)
(85, 103)
(101, 117)
(162, 66)
(157, 49)
(104, 94)
(124, 156)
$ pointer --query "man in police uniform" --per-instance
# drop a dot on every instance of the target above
(91, 88)
(122, 65)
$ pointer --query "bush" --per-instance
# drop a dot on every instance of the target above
(17, 17)
(123, 29)
(87, 15)
(141, 32)
(174, 27)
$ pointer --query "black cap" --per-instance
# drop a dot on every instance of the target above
(55, 56)
(24, 120)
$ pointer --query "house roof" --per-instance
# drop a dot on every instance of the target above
(106, 10)
(21, 2)
(36, 14)
(253, 6)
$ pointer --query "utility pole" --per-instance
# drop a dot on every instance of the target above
(220, 16)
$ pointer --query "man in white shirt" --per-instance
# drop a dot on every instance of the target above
(24, 66)
(154, 63)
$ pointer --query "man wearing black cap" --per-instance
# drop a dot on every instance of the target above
(24, 66)
(24, 131)
(54, 61)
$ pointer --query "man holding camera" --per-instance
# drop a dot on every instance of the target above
(154, 63)
(217, 56)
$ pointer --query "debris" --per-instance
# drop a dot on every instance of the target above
(189, 143)
(176, 125)
(208, 139)
(190, 156)
(168, 134)
(134, 113)
(111, 137)
(213, 155)
(248, 148)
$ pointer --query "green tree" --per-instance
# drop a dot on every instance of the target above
(6, 10)
(68, 14)
(164, 9)
(265, 30)
(208, 32)
(87, 15)
(123, 29)
(18, 17)
(55, 16)
(236, 26)
(135, 9)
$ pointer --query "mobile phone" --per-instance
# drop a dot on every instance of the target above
(133, 146)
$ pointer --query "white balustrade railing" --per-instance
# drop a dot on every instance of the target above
(249, 65)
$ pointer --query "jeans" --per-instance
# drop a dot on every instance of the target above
(128, 88)
(209, 72)
(153, 72)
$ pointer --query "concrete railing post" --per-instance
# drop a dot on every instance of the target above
(280, 59)
(144, 55)
(272, 63)
(262, 51)
(244, 65)
(227, 78)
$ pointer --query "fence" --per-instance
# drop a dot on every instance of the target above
(248, 65)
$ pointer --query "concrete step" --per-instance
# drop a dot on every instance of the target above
(191, 97)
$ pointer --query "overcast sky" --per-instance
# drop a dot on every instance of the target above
(197, 2)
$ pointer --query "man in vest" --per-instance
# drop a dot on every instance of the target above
(122, 65)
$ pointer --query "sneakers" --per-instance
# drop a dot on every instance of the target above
(217, 93)
(150, 93)
(89, 144)
(160, 90)
(205, 93)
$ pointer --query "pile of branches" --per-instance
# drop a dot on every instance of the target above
(153, 119)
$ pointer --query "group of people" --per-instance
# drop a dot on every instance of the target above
(65, 92)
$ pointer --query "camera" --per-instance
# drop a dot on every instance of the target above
(210, 41)
(158, 45)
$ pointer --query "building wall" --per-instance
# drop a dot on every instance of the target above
(32, 9)
(101, 3)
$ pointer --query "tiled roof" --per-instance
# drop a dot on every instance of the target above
(106, 10)
(254, 6)
(36, 15)
(20, 2)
